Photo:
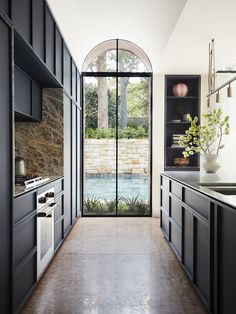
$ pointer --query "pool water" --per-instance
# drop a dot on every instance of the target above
(129, 186)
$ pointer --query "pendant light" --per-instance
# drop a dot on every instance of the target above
(208, 102)
(229, 91)
(218, 97)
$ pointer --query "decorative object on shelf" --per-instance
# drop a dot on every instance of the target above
(181, 112)
(206, 139)
(175, 140)
(20, 169)
(211, 70)
(181, 162)
(210, 164)
(175, 120)
(180, 90)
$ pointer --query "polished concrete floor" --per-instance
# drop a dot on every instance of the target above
(115, 266)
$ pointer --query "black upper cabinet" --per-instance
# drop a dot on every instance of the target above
(36, 101)
(59, 56)
(74, 81)
(21, 17)
(67, 70)
(50, 40)
(5, 6)
(28, 98)
(22, 93)
(78, 88)
(5, 166)
(38, 27)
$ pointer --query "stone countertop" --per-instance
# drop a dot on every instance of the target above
(19, 190)
(193, 179)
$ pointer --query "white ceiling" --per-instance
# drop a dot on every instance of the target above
(174, 33)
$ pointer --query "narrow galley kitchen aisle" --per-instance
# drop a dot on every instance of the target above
(114, 266)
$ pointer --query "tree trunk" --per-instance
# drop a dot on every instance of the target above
(102, 94)
(123, 102)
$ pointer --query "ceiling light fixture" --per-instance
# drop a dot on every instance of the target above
(229, 91)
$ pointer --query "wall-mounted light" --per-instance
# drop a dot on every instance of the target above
(229, 91)
(218, 97)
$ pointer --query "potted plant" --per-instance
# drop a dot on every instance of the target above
(206, 139)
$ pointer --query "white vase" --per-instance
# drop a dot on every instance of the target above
(210, 164)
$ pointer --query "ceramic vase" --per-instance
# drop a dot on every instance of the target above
(180, 90)
(210, 164)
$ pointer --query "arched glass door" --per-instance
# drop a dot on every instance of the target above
(117, 89)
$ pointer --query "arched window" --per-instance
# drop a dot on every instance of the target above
(117, 55)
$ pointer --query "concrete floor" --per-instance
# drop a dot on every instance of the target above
(115, 266)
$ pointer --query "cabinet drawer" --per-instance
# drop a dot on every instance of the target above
(24, 281)
(200, 204)
(176, 189)
(176, 211)
(59, 211)
(46, 187)
(24, 240)
(176, 239)
(23, 205)
(58, 233)
(58, 186)
(165, 223)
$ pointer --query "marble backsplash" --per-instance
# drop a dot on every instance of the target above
(41, 143)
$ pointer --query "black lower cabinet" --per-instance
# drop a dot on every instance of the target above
(226, 244)
(5, 164)
(202, 258)
(188, 242)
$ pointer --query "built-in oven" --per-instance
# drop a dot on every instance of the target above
(45, 229)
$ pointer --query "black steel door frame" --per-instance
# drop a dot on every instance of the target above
(116, 75)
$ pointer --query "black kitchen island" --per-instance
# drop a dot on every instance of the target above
(199, 221)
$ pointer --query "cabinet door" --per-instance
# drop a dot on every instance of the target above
(59, 56)
(5, 166)
(36, 102)
(5, 6)
(67, 163)
(22, 93)
(74, 161)
(50, 40)
(67, 70)
(21, 17)
(202, 257)
(188, 241)
(38, 27)
(79, 179)
(226, 244)
(74, 83)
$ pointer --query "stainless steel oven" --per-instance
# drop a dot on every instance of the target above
(45, 229)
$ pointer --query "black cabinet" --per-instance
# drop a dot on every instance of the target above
(74, 81)
(185, 221)
(5, 165)
(59, 56)
(50, 40)
(79, 174)
(38, 27)
(67, 70)
(202, 257)
(67, 163)
(188, 241)
(28, 98)
(22, 93)
(225, 250)
(21, 17)
(74, 161)
(5, 7)
(176, 108)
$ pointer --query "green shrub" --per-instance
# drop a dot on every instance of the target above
(126, 133)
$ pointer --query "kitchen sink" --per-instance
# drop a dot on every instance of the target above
(222, 188)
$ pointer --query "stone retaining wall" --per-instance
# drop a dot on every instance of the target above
(100, 156)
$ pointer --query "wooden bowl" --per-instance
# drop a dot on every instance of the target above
(181, 161)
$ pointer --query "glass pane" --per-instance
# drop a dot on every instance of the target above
(100, 146)
(134, 146)
(129, 62)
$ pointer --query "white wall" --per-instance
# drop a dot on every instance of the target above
(227, 157)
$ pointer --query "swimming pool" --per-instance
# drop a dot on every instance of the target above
(129, 186)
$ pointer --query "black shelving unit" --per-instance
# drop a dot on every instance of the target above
(175, 108)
